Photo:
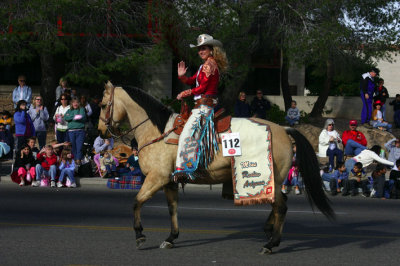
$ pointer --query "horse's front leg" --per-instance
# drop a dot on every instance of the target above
(171, 192)
(150, 186)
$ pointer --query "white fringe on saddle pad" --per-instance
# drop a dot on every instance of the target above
(253, 172)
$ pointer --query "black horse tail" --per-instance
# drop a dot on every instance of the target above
(309, 169)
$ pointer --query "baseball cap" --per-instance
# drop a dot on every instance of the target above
(353, 123)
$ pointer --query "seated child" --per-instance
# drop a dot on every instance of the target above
(6, 142)
(377, 118)
(31, 143)
(394, 180)
(293, 114)
(108, 165)
(47, 165)
(58, 147)
(378, 175)
(358, 178)
(132, 167)
(67, 167)
(292, 180)
(339, 179)
(6, 119)
(24, 166)
(393, 147)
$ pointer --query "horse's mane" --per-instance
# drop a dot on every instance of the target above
(158, 113)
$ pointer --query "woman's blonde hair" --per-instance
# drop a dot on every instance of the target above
(241, 93)
(34, 101)
(63, 80)
(75, 99)
(220, 57)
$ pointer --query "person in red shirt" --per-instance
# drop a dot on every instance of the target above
(47, 165)
(354, 141)
(190, 152)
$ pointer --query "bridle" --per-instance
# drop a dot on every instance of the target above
(108, 119)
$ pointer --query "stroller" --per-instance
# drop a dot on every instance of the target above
(87, 166)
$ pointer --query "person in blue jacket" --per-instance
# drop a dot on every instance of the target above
(39, 115)
(24, 127)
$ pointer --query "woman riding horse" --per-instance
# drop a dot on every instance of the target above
(198, 142)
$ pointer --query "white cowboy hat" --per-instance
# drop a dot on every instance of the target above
(205, 39)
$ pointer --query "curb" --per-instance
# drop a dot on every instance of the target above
(79, 180)
(82, 181)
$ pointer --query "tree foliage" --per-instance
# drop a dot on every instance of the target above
(96, 39)
(334, 35)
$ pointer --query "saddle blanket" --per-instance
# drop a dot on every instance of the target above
(125, 182)
(253, 172)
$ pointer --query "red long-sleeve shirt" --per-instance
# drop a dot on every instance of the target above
(45, 161)
(355, 135)
(207, 78)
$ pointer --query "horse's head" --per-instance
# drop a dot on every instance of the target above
(112, 111)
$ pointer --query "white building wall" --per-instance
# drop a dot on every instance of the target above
(390, 72)
(297, 78)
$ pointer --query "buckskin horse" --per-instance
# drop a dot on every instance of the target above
(148, 117)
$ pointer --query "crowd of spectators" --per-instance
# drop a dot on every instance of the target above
(350, 174)
(75, 118)
(56, 164)
(258, 107)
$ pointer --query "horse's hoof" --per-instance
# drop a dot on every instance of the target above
(140, 241)
(265, 251)
(167, 245)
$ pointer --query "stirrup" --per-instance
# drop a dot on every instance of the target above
(180, 177)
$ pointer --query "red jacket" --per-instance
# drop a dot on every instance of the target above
(45, 161)
(207, 78)
(355, 135)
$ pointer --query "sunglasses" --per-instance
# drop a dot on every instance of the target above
(202, 48)
(38, 99)
(353, 125)
(22, 80)
(330, 125)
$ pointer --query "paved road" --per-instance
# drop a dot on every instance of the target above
(92, 225)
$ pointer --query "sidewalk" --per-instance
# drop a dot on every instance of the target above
(85, 181)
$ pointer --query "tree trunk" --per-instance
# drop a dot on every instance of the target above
(231, 91)
(49, 82)
(235, 78)
(287, 98)
(323, 97)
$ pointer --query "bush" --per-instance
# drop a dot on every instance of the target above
(276, 115)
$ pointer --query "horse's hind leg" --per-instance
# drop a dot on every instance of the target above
(171, 192)
(269, 223)
(151, 185)
(274, 224)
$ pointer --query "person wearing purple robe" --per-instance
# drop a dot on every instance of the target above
(367, 89)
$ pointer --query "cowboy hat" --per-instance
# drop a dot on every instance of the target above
(205, 39)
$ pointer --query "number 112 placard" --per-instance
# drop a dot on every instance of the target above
(231, 144)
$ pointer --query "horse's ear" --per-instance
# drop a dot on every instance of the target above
(108, 86)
